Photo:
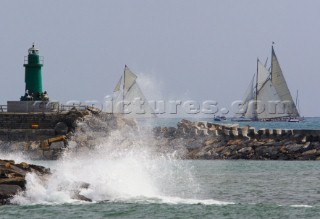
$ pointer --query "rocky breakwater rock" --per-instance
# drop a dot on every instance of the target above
(13, 180)
(204, 140)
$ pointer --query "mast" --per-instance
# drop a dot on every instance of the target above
(256, 102)
(123, 87)
(272, 52)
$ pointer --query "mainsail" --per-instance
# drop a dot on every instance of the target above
(269, 98)
(280, 84)
(128, 98)
(267, 102)
(127, 80)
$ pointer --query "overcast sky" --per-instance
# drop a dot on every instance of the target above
(181, 49)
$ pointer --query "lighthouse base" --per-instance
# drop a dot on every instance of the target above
(32, 106)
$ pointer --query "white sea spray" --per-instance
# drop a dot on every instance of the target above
(126, 166)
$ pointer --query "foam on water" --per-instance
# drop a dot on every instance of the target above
(126, 167)
(301, 206)
(178, 200)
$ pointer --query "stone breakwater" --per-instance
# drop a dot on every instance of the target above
(12, 178)
(81, 131)
(204, 140)
(74, 130)
(13, 181)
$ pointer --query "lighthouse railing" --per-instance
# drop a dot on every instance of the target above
(25, 61)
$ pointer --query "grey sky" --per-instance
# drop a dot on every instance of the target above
(187, 49)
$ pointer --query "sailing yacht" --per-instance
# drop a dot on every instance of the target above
(128, 98)
(268, 97)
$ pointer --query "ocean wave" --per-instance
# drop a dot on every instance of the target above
(301, 206)
(178, 200)
(124, 167)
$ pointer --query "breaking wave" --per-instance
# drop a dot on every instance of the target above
(126, 166)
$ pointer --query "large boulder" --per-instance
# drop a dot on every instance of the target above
(61, 128)
(294, 148)
(7, 192)
(12, 180)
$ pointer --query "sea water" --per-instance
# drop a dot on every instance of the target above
(129, 179)
(308, 123)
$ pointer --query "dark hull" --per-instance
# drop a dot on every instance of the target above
(280, 119)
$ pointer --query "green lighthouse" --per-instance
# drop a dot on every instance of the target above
(33, 75)
(34, 100)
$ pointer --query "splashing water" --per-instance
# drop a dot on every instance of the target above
(125, 167)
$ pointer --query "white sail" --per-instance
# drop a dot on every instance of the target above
(248, 97)
(129, 99)
(280, 84)
(118, 86)
(249, 94)
(271, 99)
(250, 103)
(251, 109)
(263, 75)
(139, 104)
(269, 103)
(128, 79)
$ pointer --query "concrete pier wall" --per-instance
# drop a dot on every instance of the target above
(26, 120)
(34, 133)
(54, 133)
